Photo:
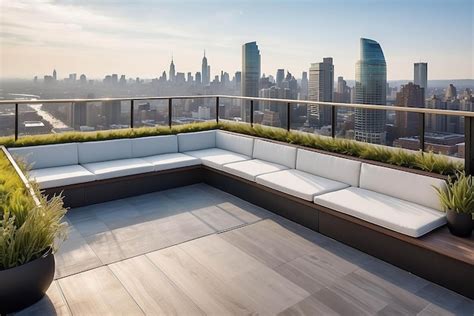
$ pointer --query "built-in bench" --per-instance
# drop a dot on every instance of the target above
(380, 210)
(399, 201)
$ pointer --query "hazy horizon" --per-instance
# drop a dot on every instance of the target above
(138, 38)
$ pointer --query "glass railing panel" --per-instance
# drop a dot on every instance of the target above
(196, 110)
(7, 120)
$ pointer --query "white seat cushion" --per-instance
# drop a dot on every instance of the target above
(118, 168)
(47, 156)
(392, 213)
(299, 183)
(216, 157)
(154, 145)
(403, 185)
(60, 176)
(328, 166)
(235, 143)
(196, 141)
(252, 168)
(171, 161)
(276, 153)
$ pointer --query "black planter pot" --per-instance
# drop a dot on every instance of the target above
(24, 285)
(459, 224)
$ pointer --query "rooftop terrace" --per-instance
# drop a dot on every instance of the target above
(202, 219)
(198, 250)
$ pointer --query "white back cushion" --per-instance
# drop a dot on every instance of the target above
(238, 144)
(276, 153)
(105, 150)
(330, 167)
(47, 156)
(403, 185)
(196, 141)
(155, 145)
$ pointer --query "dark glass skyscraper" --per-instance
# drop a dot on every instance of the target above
(250, 74)
(370, 88)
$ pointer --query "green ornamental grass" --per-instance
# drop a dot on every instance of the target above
(429, 162)
(27, 230)
(458, 196)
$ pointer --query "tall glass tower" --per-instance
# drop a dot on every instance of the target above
(205, 73)
(370, 88)
(250, 74)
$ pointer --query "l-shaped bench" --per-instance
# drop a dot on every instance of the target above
(374, 208)
(399, 201)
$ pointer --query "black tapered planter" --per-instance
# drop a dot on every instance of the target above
(24, 285)
(459, 224)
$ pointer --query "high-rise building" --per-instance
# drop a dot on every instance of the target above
(343, 92)
(410, 95)
(172, 73)
(78, 115)
(451, 92)
(304, 86)
(197, 77)
(421, 76)
(189, 78)
(280, 76)
(55, 77)
(370, 88)
(205, 71)
(320, 88)
(250, 74)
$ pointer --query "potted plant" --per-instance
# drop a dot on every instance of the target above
(31, 229)
(458, 202)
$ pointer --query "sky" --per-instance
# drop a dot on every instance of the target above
(138, 38)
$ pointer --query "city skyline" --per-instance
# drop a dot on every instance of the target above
(104, 39)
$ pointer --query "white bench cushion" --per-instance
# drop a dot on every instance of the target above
(238, 144)
(196, 141)
(171, 161)
(299, 183)
(276, 153)
(395, 214)
(155, 145)
(330, 167)
(105, 150)
(60, 176)
(47, 156)
(216, 157)
(403, 185)
(118, 168)
(252, 168)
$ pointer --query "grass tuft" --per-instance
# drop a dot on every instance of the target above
(27, 230)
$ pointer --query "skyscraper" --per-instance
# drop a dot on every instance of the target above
(320, 88)
(451, 92)
(370, 88)
(343, 92)
(280, 76)
(304, 86)
(250, 74)
(421, 77)
(172, 76)
(205, 73)
(410, 95)
(55, 75)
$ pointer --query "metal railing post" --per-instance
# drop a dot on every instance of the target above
(468, 145)
(217, 110)
(170, 112)
(16, 121)
(333, 120)
(288, 119)
(131, 113)
(251, 113)
(422, 131)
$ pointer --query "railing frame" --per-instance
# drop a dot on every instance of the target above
(468, 116)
